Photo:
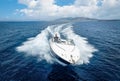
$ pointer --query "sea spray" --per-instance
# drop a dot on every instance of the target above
(39, 45)
(86, 50)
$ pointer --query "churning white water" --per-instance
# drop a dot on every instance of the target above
(39, 45)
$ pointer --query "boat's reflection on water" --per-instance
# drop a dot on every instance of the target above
(63, 73)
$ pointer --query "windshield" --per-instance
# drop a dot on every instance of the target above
(68, 42)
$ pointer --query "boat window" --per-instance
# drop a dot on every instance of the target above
(70, 42)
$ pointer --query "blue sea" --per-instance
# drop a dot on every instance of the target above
(25, 52)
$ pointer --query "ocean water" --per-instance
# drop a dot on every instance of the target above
(25, 52)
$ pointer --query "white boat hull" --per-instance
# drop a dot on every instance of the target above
(67, 53)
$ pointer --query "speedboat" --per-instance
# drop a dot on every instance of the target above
(64, 50)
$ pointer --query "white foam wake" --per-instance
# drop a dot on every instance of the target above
(39, 45)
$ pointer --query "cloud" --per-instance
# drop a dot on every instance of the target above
(109, 10)
(48, 9)
(85, 2)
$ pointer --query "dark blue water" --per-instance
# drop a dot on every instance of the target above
(103, 66)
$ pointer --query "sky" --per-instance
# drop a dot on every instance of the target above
(54, 9)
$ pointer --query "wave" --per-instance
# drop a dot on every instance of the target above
(39, 45)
